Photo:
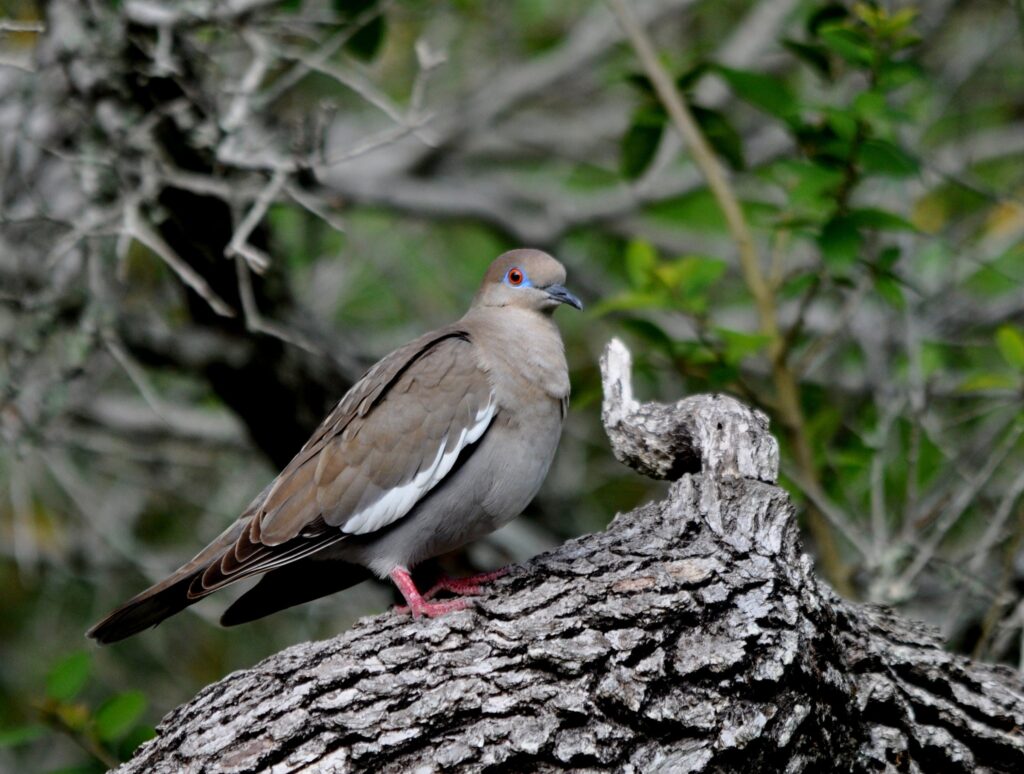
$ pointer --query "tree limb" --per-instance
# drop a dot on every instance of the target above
(689, 636)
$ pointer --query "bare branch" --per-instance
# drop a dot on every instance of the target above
(961, 501)
(258, 261)
(138, 229)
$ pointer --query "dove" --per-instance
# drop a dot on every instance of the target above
(440, 443)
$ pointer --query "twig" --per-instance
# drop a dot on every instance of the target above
(979, 555)
(375, 141)
(135, 373)
(809, 358)
(428, 61)
(239, 245)
(997, 523)
(140, 230)
(158, 14)
(828, 509)
(239, 110)
(14, 25)
(314, 205)
(321, 55)
(879, 519)
(254, 320)
(963, 498)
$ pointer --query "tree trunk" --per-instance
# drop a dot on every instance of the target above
(691, 635)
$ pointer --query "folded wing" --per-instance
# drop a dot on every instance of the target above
(394, 436)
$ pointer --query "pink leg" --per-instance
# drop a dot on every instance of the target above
(466, 587)
(417, 605)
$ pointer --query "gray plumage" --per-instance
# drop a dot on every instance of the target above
(441, 442)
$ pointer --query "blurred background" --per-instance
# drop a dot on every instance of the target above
(215, 215)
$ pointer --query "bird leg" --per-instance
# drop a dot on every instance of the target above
(416, 604)
(465, 587)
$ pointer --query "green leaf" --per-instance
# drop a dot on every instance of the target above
(766, 92)
(843, 123)
(689, 79)
(871, 107)
(118, 714)
(797, 286)
(888, 287)
(641, 258)
(629, 302)
(986, 382)
(848, 44)
(692, 273)
(840, 242)
(645, 329)
(830, 13)
(739, 344)
(16, 736)
(881, 220)
(894, 75)
(884, 158)
(810, 186)
(642, 83)
(887, 258)
(722, 136)
(640, 143)
(69, 676)
(694, 353)
(1010, 341)
(690, 278)
(813, 55)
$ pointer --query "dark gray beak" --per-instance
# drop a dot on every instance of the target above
(561, 294)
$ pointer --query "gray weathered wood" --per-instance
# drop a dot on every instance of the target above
(715, 434)
(692, 635)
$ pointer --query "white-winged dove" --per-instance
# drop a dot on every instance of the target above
(440, 443)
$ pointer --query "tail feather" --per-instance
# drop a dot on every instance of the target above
(145, 610)
(169, 596)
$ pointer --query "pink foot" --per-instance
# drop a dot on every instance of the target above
(417, 604)
(465, 587)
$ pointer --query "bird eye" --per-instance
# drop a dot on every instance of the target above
(515, 277)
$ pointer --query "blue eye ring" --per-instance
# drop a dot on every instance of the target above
(516, 277)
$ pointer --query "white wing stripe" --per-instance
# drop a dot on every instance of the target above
(400, 500)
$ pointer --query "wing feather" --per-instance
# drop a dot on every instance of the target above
(395, 436)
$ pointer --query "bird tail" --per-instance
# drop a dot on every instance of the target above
(169, 596)
(146, 609)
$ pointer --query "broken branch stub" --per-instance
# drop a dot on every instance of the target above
(713, 434)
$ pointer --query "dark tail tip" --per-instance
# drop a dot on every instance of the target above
(142, 612)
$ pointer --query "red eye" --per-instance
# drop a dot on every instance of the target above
(515, 277)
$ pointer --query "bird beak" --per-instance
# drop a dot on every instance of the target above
(560, 294)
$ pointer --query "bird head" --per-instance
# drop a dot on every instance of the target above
(528, 279)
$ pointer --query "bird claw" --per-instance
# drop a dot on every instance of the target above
(465, 587)
(419, 605)
(433, 609)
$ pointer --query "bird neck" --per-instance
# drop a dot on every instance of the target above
(522, 344)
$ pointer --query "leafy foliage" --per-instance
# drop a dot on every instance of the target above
(109, 732)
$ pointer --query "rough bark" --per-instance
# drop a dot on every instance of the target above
(691, 635)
